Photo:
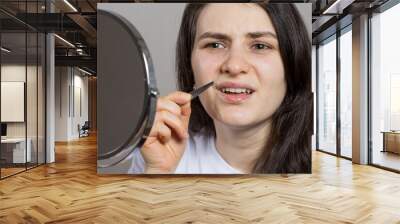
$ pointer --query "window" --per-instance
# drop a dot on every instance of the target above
(346, 92)
(327, 96)
(385, 89)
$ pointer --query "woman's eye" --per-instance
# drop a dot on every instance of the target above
(215, 45)
(261, 46)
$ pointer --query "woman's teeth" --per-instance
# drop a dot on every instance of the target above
(236, 90)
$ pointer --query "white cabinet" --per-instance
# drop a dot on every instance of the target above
(19, 154)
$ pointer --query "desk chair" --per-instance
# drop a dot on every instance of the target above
(84, 130)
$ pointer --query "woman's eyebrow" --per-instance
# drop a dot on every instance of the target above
(220, 36)
(259, 34)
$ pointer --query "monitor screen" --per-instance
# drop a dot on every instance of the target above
(3, 129)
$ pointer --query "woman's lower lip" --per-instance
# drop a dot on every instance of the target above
(234, 98)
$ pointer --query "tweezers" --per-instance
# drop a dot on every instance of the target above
(196, 92)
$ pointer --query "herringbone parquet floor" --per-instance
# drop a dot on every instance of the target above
(70, 191)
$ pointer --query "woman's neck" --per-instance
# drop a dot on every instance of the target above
(241, 147)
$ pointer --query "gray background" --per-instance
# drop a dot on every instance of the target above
(158, 23)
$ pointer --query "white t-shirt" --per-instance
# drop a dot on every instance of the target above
(200, 157)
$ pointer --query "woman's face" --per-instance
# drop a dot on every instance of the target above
(237, 48)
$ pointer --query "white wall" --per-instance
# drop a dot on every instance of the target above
(15, 73)
(12, 101)
(33, 126)
(80, 83)
(67, 115)
(61, 103)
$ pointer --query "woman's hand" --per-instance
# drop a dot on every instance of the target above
(166, 142)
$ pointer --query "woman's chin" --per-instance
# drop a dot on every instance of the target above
(236, 120)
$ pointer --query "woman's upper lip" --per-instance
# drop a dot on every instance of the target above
(234, 85)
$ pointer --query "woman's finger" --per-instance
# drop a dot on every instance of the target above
(165, 104)
(154, 128)
(174, 122)
(186, 111)
(179, 97)
(164, 133)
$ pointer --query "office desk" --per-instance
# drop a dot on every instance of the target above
(16, 147)
(391, 141)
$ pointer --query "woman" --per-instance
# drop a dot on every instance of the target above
(257, 118)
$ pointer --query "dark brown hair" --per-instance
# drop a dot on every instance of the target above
(288, 149)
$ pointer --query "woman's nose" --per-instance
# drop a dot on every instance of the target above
(235, 63)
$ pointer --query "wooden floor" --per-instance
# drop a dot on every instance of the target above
(387, 159)
(10, 171)
(70, 191)
(5, 172)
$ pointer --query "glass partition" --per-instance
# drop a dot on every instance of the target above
(41, 91)
(385, 89)
(22, 88)
(327, 96)
(31, 100)
(14, 153)
(34, 50)
(346, 92)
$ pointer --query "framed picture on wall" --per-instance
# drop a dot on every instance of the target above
(12, 101)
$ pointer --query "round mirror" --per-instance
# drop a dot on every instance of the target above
(126, 89)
